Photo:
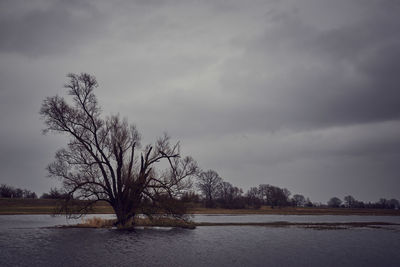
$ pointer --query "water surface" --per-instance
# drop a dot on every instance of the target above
(24, 242)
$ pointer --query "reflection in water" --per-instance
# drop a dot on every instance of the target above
(24, 243)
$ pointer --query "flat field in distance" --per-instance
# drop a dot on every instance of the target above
(10, 206)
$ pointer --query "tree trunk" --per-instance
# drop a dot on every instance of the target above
(125, 218)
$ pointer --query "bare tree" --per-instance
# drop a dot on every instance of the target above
(299, 200)
(104, 161)
(394, 203)
(230, 196)
(55, 193)
(28, 194)
(209, 182)
(350, 201)
(273, 195)
(334, 202)
(7, 191)
(253, 197)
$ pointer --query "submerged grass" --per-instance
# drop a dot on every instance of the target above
(97, 222)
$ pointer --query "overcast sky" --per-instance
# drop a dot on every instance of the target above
(302, 94)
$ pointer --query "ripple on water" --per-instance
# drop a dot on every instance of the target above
(204, 246)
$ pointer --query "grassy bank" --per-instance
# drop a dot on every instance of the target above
(9, 206)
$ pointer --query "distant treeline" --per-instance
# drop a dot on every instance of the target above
(215, 192)
(231, 197)
(211, 191)
(7, 191)
(351, 202)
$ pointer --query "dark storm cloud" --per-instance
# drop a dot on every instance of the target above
(292, 73)
(299, 94)
(296, 75)
(48, 27)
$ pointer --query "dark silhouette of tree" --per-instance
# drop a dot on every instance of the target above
(7, 191)
(55, 193)
(350, 201)
(18, 193)
(299, 200)
(208, 183)
(230, 196)
(273, 195)
(383, 203)
(104, 160)
(263, 193)
(190, 197)
(309, 203)
(253, 198)
(28, 194)
(334, 202)
(394, 203)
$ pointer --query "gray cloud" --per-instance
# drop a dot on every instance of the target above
(300, 94)
(50, 27)
(296, 75)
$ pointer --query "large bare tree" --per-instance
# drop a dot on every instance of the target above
(104, 160)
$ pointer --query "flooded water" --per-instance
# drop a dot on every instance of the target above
(25, 241)
(295, 218)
